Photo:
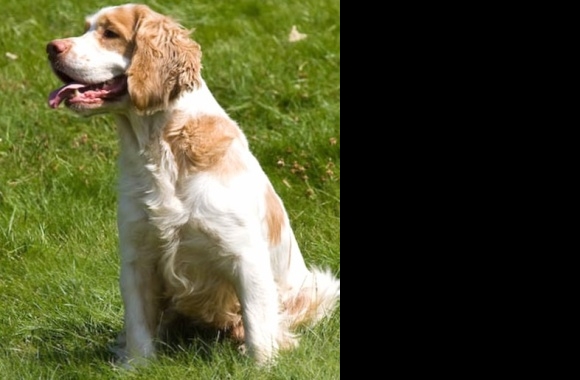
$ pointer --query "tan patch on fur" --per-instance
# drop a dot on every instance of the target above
(274, 216)
(202, 143)
(121, 21)
(300, 308)
(165, 61)
(237, 332)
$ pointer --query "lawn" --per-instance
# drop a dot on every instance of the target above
(60, 307)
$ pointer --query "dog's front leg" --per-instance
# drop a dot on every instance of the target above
(140, 289)
(140, 298)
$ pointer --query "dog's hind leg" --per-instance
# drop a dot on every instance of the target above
(258, 296)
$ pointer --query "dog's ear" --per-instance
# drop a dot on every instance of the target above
(165, 62)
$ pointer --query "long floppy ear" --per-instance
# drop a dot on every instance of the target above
(165, 62)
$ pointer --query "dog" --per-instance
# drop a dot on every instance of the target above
(202, 233)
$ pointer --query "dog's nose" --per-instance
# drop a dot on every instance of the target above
(56, 47)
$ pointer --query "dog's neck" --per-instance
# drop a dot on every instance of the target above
(137, 130)
(193, 135)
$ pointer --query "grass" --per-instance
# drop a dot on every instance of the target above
(59, 299)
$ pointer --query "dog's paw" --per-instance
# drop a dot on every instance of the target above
(134, 363)
(124, 361)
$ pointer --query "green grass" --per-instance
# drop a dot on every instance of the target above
(60, 306)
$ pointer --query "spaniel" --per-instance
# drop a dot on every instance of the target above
(202, 233)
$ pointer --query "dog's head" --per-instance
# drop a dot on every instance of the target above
(129, 56)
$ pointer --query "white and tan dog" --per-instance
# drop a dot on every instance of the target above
(203, 234)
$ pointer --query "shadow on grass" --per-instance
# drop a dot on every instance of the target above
(184, 336)
(91, 343)
(75, 344)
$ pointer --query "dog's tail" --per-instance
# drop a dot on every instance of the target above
(315, 299)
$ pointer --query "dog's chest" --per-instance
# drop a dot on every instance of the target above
(170, 205)
(154, 185)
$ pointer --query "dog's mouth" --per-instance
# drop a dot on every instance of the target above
(86, 95)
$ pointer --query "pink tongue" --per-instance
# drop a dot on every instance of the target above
(57, 96)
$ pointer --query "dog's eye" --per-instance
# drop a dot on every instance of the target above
(110, 34)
